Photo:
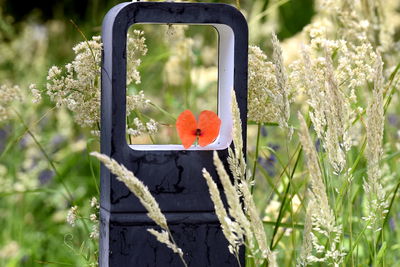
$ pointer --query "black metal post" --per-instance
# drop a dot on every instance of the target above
(173, 177)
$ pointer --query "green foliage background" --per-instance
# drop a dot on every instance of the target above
(37, 35)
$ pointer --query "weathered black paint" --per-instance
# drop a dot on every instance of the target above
(173, 177)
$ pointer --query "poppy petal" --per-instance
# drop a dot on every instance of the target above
(209, 125)
(186, 126)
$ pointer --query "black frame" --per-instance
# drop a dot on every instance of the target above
(173, 177)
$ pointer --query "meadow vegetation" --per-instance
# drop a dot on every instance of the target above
(320, 186)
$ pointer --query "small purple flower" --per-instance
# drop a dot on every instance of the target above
(23, 142)
(45, 176)
(393, 119)
(268, 164)
(274, 147)
(57, 141)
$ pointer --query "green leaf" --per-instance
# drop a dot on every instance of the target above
(381, 252)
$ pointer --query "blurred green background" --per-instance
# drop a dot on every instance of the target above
(34, 201)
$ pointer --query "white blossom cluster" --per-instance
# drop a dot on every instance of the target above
(269, 94)
(72, 215)
(136, 48)
(151, 127)
(139, 128)
(136, 102)
(75, 213)
(77, 86)
(261, 83)
(37, 96)
(95, 206)
(9, 94)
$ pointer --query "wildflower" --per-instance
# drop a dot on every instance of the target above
(94, 203)
(135, 102)
(8, 95)
(152, 127)
(93, 217)
(45, 176)
(140, 128)
(269, 94)
(268, 164)
(262, 87)
(72, 215)
(95, 133)
(37, 97)
(137, 48)
(77, 86)
(94, 234)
